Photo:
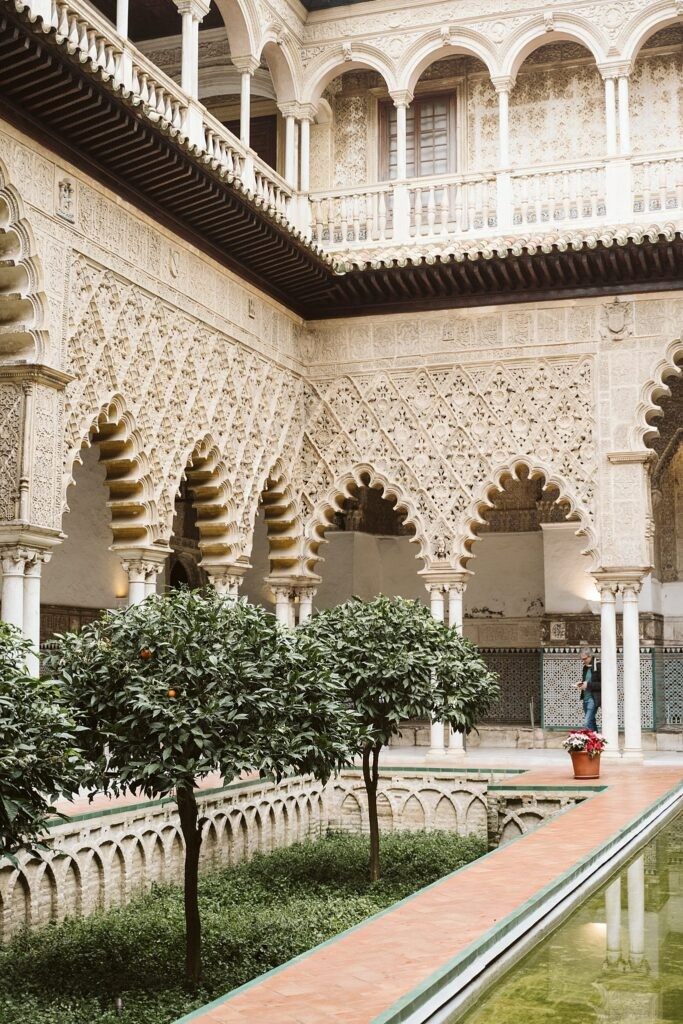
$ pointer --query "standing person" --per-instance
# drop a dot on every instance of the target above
(590, 688)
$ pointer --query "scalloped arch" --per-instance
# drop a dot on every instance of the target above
(134, 514)
(361, 474)
(483, 500)
(431, 47)
(23, 303)
(671, 365)
(533, 33)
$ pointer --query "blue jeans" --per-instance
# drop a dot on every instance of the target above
(590, 711)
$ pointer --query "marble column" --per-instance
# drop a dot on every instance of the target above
(306, 595)
(608, 664)
(122, 17)
(436, 601)
(137, 580)
(13, 560)
(225, 579)
(633, 747)
(192, 12)
(283, 605)
(636, 912)
(401, 207)
(610, 115)
(290, 150)
(32, 576)
(624, 116)
(456, 594)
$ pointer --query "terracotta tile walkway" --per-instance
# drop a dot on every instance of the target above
(354, 979)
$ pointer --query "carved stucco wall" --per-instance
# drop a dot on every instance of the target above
(129, 324)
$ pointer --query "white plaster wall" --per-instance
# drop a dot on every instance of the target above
(83, 572)
(508, 577)
(568, 587)
(363, 565)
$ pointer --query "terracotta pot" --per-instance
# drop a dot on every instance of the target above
(585, 767)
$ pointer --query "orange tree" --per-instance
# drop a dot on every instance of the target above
(38, 755)
(191, 683)
(397, 662)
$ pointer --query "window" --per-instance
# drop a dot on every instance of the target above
(430, 136)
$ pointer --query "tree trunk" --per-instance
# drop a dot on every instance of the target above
(370, 777)
(187, 810)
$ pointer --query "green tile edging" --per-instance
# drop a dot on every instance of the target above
(399, 1012)
(396, 1014)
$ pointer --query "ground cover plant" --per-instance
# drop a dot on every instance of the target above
(255, 915)
(180, 686)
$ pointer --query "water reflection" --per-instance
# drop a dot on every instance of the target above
(618, 958)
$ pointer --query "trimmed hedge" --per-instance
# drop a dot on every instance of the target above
(255, 916)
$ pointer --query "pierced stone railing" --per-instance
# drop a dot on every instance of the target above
(455, 204)
(657, 183)
(569, 194)
(351, 215)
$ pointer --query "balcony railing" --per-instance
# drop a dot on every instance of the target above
(558, 195)
(657, 183)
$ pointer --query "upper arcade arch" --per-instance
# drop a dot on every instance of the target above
(648, 410)
(645, 24)
(242, 25)
(439, 44)
(283, 64)
(540, 31)
(330, 66)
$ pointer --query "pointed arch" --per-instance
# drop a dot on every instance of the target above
(23, 303)
(535, 32)
(207, 476)
(433, 46)
(281, 506)
(363, 57)
(323, 512)
(485, 494)
(121, 448)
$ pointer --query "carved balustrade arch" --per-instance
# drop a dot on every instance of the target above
(646, 23)
(550, 28)
(440, 43)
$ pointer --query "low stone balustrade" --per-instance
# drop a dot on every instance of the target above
(102, 858)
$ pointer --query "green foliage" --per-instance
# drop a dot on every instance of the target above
(256, 916)
(397, 661)
(38, 757)
(179, 686)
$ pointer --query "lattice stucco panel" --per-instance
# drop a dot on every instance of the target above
(561, 706)
(519, 672)
(673, 686)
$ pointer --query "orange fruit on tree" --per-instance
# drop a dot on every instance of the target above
(145, 653)
(172, 693)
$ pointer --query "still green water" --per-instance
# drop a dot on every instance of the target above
(617, 960)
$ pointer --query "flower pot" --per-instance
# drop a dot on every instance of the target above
(585, 767)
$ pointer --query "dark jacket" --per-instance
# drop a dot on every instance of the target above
(594, 688)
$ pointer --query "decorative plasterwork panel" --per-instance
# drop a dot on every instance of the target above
(441, 438)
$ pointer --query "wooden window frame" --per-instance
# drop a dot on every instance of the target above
(385, 106)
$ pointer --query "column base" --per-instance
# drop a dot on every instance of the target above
(435, 754)
(456, 753)
(610, 754)
(632, 757)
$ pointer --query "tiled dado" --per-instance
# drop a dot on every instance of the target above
(377, 972)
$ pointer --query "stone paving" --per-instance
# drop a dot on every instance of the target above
(357, 978)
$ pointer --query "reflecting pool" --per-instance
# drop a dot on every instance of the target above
(617, 958)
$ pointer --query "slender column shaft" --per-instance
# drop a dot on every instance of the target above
(613, 921)
(151, 583)
(633, 748)
(636, 911)
(624, 116)
(401, 141)
(245, 108)
(290, 126)
(437, 730)
(283, 606)
(610, 117)
(456, 593)
(32, 610)
(122, 17)
(504, 128)
(190, 51)
(608, 660)
(13, 588)
(305, 156)
(305, 605)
